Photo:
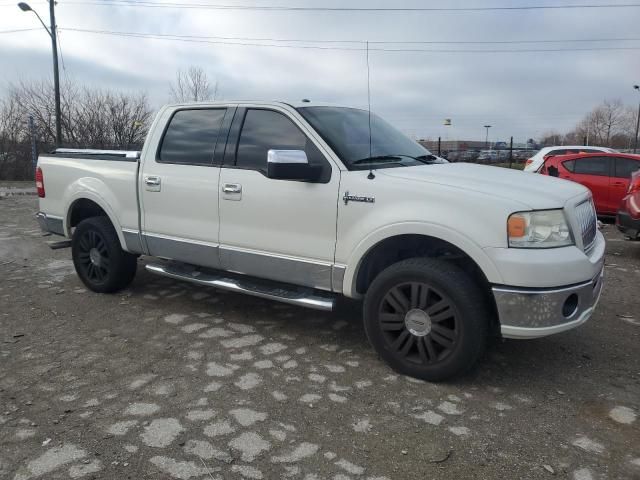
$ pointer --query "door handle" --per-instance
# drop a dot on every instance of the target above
(232, 188)
(152, 181)
(618, 184)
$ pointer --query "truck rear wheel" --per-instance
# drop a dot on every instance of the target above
(99, 260)
(426, 318)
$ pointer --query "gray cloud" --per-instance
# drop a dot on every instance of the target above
(521, 94)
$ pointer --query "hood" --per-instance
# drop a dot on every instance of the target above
(534, 190)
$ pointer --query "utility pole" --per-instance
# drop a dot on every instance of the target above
(56, 73)
(54, 47)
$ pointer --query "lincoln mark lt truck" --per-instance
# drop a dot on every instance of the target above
(305, 203)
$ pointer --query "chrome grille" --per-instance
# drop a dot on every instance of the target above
(586, 216)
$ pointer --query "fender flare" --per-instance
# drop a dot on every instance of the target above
(88, 189)
(464, 243)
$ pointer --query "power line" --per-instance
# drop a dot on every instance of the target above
(211, 40)
(363, 42)
(18, 30)
(279, 8)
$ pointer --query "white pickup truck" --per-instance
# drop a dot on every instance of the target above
(305, 203)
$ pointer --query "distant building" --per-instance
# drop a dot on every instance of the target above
(449, 145)
(456, 145)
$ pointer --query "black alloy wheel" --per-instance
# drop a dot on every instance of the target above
(427, 318)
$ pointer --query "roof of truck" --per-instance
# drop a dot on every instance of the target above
(294, 104)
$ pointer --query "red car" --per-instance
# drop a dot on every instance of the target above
(605, 174)
(628, 219)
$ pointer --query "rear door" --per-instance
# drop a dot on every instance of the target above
(593, 173)
(179, 186)
(619, 182)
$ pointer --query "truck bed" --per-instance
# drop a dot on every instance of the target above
(107, 177)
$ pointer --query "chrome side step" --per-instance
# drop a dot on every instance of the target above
(279, 292)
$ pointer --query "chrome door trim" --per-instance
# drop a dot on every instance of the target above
(298, 271)
(194, 252)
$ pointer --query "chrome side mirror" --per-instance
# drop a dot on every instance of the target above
(291, 165)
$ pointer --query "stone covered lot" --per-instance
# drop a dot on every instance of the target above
(168, 380)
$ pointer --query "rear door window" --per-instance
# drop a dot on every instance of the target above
(191, 137)
(624, 167)
(592, 166)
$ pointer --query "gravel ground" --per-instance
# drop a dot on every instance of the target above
(169, 380)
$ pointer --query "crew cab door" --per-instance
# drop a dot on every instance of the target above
(179, 186)
(282, 230)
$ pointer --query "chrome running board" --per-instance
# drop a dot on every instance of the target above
(258, 288)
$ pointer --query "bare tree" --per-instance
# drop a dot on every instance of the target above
(603, 122)
(90, 118)
(192, 85)
(552, 138)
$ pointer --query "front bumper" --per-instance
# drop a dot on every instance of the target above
(534, 312)
(628, 225)
(49, 224)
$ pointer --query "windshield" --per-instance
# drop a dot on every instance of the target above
(346, 130)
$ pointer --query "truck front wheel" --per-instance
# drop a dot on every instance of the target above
(99, 260)
(426, 318)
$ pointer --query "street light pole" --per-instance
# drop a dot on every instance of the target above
(56, 74)
(486, 139)
(635, 145)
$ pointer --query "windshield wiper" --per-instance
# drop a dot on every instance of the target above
(379, 159)
(428, 159)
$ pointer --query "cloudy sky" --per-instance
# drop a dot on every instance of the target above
(523, 94)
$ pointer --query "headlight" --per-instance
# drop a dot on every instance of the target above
(539, 229)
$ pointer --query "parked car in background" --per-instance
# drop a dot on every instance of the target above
(628, 218)
(522, 155)
(607, 175)
(534, 164)
(469, 156)
(488, 156)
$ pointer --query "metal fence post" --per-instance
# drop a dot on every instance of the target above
(439, 150)
(511, 153)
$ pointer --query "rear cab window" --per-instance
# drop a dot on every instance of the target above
(191, 136)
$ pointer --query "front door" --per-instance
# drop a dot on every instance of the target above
(179, 188)
(281, 230)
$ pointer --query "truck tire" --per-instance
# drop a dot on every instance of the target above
(99, 260)
(426, 318)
